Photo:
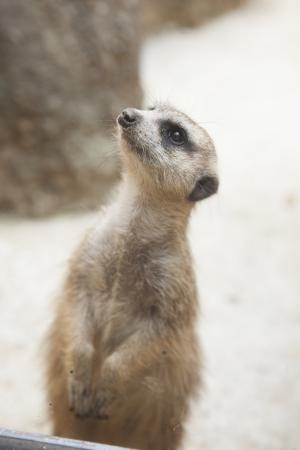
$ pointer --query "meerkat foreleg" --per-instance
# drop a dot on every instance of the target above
(129, 361)
(79, 360)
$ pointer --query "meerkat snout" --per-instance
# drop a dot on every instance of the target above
(168, 151)
(128, 117)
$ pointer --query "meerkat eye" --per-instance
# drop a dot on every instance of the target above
(151, 108)
(177, 136)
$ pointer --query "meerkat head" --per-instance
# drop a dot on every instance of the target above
(168, 152)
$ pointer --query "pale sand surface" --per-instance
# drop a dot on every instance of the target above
(240, 76)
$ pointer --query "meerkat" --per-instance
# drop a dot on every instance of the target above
(123, 358)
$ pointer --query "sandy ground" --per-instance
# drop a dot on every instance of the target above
(239, 76)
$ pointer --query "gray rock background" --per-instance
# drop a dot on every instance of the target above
(67, 68)
(159, 14)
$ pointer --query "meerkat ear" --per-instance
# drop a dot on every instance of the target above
(205, 187)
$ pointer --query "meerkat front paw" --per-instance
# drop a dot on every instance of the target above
(103, 400)
(80, 399)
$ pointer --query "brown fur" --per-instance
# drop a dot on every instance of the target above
(123, 357)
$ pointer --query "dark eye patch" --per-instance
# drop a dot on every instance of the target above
(174, 135)
(151, 108)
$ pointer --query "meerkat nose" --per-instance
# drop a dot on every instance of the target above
(128, 117)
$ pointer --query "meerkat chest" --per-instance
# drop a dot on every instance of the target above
(147, 268)
(140, 281)
(138, 274)
(151, 277)
(138, 267)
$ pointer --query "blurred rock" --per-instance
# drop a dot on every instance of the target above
(185, 13)
(67, 67)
